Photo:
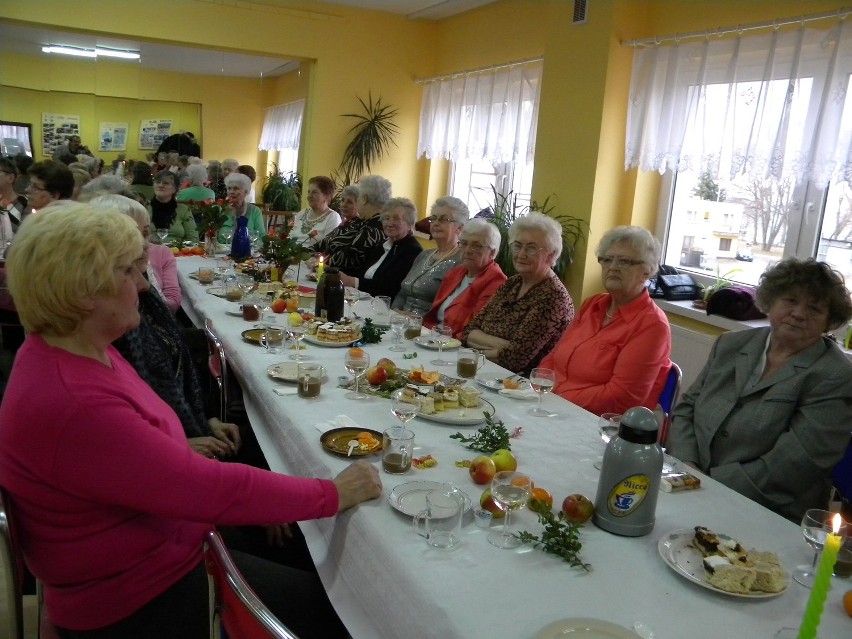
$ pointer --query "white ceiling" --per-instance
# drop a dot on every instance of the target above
(29, 40)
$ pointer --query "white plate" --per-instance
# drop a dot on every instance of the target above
(312, 339)
(218, 291)
(583, 628)
(519, 393)
(461, 416)
(427, 342)
(677, 551)
(287, 371)
(410, 498)
(238, 311)
(492, 381)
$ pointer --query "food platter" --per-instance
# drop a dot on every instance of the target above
(584, 628)
(678, 554)
(287, 371)
(337, 441)
(312, 339)
(431, 344)
(410, 498)
(461, 416)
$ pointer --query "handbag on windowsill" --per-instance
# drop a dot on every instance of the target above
(673, 286)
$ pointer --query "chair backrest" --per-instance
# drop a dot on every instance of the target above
(842, 475)
(218, 365)
(668, 398)
(233, 603)
(11, 576)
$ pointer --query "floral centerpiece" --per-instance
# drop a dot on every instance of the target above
(282, 250)
(210, 214)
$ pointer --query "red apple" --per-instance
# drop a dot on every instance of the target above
(504, 460)
(376, 375)
(578, 509)
(388, 365)
(487, 502)
(482, 469)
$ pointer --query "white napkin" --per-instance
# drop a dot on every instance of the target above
(341, 421)
(518, 393)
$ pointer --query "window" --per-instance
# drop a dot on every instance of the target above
(756, 134)
(282, 132)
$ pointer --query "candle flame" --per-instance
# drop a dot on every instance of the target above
(835, 523)
(321, 259)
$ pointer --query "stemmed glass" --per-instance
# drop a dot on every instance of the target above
(295, 329)
(398, 323)
(356, 363)
(608, 424)
(254, 236)
(402, 410)
(246, 282)
(511, 490)
(442, 334)
(542, 381)
(162, 234)
(350, 296)
(222, 267)
(816, 525)
(228, 234)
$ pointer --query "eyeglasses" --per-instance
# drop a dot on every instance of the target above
(33, 187)
(618, 262)
(442, 219)
(531, 250)
(473, 246)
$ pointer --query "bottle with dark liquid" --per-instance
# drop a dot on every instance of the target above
(330, 295)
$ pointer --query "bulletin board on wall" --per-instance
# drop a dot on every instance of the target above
(56, 129)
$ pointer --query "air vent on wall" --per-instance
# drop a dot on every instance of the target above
(580, 11)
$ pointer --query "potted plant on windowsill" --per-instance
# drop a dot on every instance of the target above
(282, 192)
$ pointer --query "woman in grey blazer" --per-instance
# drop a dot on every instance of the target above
(771, 413)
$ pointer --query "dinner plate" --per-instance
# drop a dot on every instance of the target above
(427, 342)
(492, 381)
(584, 628)
(410, 498)
(312, 339)
(252, 335)
(461, 416)
(679, 555)
(218, 291)
(287, 371)
(337, 440)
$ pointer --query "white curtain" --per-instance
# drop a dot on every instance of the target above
(15, 138)
(769, 105)
(282, 127)
(489, 115)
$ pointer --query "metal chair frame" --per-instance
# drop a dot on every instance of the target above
(218, 365)
(668, 399)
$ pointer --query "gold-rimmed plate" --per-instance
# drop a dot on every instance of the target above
(252, 335)
(287, 371)
(337, 441)
(427, 342)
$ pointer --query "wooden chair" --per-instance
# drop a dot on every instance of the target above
(233, 604)
(668, 399)
(218, 365)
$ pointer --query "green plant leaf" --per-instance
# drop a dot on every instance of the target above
(372, 136)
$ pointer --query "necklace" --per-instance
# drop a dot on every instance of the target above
(308, 224)
(434, 259)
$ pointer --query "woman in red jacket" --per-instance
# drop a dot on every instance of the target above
(468, 287)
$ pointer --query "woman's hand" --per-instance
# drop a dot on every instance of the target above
(358, 482)
(277, 534)
(485, 341)
(210, 447)
(227, 433)
(348, 280)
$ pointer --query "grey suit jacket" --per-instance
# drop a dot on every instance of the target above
(777, 442)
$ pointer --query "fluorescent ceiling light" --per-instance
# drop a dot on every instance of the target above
(91, 53)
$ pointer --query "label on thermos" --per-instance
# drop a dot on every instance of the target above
(627, 495)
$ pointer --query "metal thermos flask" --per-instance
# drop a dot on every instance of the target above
(626, 500)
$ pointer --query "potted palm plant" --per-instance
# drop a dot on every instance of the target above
(282, 191)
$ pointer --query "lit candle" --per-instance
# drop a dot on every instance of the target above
(320, 268)
(822, 582)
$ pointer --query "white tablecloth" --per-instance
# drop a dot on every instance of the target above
(385, 581)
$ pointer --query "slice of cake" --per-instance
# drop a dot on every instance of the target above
(438, 400)
(726, 576)
(769, 576)
(451, 399)
(469, 397)
(427, 406)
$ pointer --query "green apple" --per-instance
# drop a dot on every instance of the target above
(504, 460)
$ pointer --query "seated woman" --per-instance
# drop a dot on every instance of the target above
(346, 247)
(468, 287)
(49, 181)
(110, 500)
(448, 217)
(348, 204)
(769, 414)
(318, 220)
(195, 191)
(526, 316)
(167, 213)
(141, 180)
(387, 263)
(615, 355)
(238, 188)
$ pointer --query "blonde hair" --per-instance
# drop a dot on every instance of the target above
(122, 204)
(63, 257)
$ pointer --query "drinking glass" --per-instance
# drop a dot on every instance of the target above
(295, 329)
(254, 236)
(162, 234)
(415, 326)
(273, 331)
(542, 381)
(228, 235)
(246, 282)
(350, 296)
(397, 325)
(608, 424)
(223, 265)
(510, 490)
(816, 525)
(402, 410)
(356, 364)
(381, 310)
(442, 334)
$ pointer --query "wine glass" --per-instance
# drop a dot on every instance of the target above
(295, 329)
(510, 490)
(228, 234)
(404, 411)
(542, 381)
(442, 334)
(397, 325)
(246, 282)
(222, 267)
(162, 234)
(356, 363)
(608, 424)
(254, 236)
(816, 526)
(381, 310)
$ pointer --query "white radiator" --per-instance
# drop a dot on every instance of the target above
(690, 350)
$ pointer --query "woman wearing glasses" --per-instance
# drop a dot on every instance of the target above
(448, 217)
(466, 288)
(528, 313)
(616, 354)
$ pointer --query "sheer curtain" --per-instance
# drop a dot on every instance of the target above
(489, 115)
(282, 127)
(774, 104)
(15, 138)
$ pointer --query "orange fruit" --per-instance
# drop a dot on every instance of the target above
(198, 250)
(523, 481)
(510, 384)
(186, 251)
(847, 603)
(540, 500)
(356, 351)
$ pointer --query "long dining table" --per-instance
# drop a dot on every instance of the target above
(385, 581)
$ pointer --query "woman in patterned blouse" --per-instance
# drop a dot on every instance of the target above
(530, 311)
